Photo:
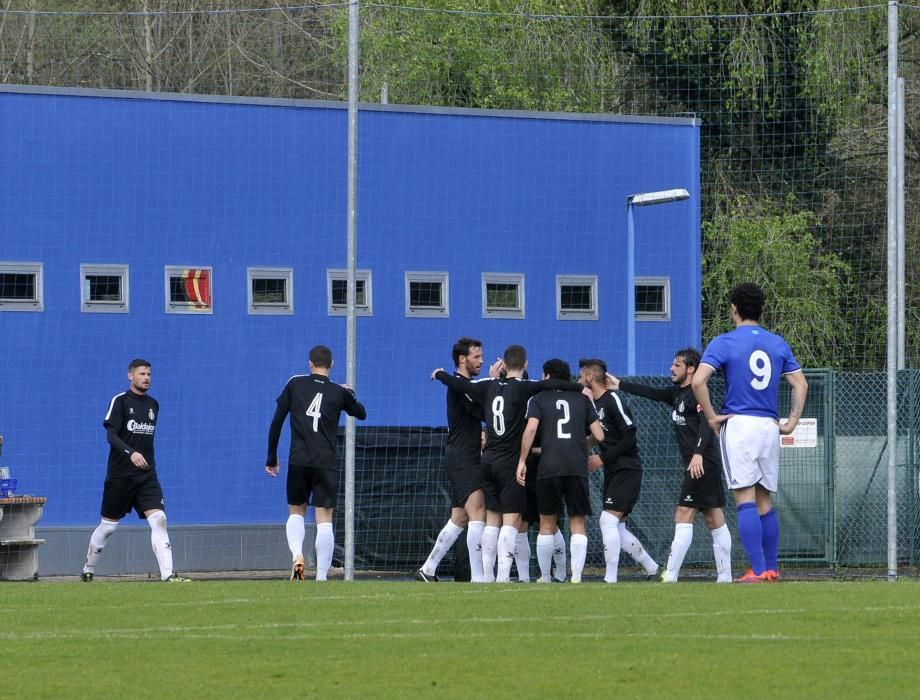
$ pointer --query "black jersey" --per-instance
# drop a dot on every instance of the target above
(504, 403)
(619, 449)
(694, 436)
(464, 429)
(130, 424)
(315, 403)
(565, 420)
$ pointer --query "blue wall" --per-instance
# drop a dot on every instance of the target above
(148, 182)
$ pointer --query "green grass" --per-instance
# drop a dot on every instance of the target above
(243, 639)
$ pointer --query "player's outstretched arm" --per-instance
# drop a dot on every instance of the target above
(799, 393)
(477, 389)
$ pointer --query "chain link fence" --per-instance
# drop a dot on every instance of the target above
(793, 146)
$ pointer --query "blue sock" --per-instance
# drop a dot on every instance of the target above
(769, 525)
(751, 535)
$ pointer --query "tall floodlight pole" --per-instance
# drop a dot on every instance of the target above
(350, 334)
(643, 199)
(892, 335)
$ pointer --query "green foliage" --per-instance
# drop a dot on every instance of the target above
(806, 290)
(526, 58)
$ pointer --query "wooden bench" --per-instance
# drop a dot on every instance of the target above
(18, 546)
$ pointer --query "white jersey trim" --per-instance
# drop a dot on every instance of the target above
(620, 408)
(112, 404)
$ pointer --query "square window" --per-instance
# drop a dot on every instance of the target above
(270, 290)
(653, 299)
(337, 292)
(427, 294)
(502, 295)
(21, 287)
(188, 290)
(104, 288)
(576, 297)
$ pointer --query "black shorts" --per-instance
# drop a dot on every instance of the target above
(705, 492)
(304, 482)
(140, 493)
(463, 481)
(621, 490)
(570, 491)
(501, 489)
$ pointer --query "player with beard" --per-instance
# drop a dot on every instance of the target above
(701, 490)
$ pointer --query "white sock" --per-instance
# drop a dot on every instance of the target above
(507, 539)
(489, 552)
(474, 545)
(722, 550)
(522, 556)
(295, 533)
(579, 545)
(325, 544)
(683, 537)
(97, 542)
(610, 533)
(545, 547)
(635, 549)
(446, 538)
(159, 540)
(559, 556)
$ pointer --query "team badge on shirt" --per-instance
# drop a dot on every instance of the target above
(151, 414)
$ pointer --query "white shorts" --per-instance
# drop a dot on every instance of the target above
(750, 452)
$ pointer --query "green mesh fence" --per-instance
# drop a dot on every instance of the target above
(793, 146)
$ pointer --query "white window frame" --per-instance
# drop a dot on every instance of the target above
(182, 308)
(37, 303)
(442, 311)
(665, 283)
(576, 314)
(514, 278)
(365, 309)
(270, 308)
(87, 305)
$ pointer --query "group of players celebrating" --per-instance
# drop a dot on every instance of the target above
(542, 440)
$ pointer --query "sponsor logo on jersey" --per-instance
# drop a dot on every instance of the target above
(142, 428)
(678, 418)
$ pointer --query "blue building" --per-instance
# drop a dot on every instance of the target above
(209, 236)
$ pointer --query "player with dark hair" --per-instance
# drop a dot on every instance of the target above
(753, 360)
(315, 404)
(619, 455)
(461, 462)
(564, 419)
(702, 486)
(504, 400)
(131, 481)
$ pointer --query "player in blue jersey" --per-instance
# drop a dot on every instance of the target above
(752, 360)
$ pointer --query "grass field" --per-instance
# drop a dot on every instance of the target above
(243, 639)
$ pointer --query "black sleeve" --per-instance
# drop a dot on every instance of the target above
(112, 425)
(703, 436)
(352, 406)
(471, 406)
(551, 385)
(627, 431)
(665, 395)
(274, 431)
(476, 390)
